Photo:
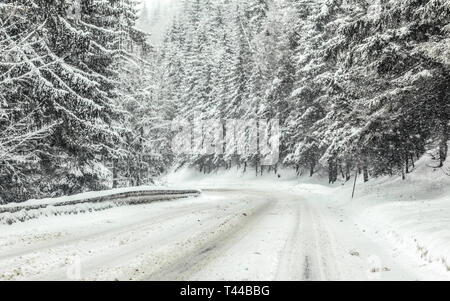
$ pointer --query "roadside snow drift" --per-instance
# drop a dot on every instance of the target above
(88, 202)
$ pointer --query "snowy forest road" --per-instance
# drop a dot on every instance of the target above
(225, 234)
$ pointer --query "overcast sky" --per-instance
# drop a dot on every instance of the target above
(167, 9)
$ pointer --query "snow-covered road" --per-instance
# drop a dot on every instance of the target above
(226, 234)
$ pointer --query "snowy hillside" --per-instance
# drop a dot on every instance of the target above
(412, 214)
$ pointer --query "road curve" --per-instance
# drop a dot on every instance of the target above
(223, 235)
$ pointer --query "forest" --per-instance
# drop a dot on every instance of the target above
(87, 100)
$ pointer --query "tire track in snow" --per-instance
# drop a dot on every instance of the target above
(114, 230)
(197, 258)
(292, 260)
(47, 259)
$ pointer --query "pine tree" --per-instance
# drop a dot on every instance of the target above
(67, 80)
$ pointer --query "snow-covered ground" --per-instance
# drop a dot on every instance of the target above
(230, 234)
(409, 218)
(412, 215)
(244, 227)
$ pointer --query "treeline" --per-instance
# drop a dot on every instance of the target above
(86, 102)
(362, 83)
(76, 98)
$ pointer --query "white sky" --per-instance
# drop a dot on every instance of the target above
(163, 3)
(167, 11)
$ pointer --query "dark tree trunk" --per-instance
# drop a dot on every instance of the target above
(332, 171)
(407, 163)
(347, 171)
(443, 147)
(311, 168)
(139, 172)
(403, 171)
(365, 173)
(342, 171)
(115, 161)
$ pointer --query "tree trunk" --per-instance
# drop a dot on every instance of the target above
(115, 161)
(139, 172)
(407, 163)
(365, 173)
(403, 172)
(347, 171)
(443, 147)
(332, 171)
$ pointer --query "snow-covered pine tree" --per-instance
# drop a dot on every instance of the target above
(62, 89)
(313, 80)
(21, 125)
(396, 82)
(341, 76)
(64, 59)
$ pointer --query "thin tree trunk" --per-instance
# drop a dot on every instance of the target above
(403, 172)
(365, 173)
(311, 168)
(347, 171)
(443, 147)
(332, 171)
(115, 161)
(407, 163)
(139, 172)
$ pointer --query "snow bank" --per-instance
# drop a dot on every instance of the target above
(420, 227)
(93, 194)
(88, 202)
(412, 215)
(8, 218)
